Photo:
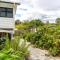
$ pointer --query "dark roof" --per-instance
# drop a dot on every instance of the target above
(11, 2)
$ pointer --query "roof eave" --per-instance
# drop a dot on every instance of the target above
(10, 2)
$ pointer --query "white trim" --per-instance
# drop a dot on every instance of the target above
(7, 31)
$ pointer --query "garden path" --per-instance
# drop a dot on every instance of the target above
(38, 54)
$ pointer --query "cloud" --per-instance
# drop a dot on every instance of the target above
(46, 4)
(44, 9)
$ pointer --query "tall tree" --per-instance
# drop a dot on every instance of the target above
(17, 22)
(58, 21)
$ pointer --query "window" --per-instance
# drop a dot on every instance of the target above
(6, 12)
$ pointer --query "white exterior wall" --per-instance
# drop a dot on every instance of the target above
(7, 22)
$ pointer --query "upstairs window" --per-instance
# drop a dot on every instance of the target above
(6, 12)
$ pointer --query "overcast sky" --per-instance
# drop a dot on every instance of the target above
(44, 9)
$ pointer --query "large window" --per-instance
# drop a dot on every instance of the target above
(6, 12)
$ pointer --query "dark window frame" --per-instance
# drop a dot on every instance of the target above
(6, 11)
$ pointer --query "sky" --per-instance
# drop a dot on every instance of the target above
(38, 9)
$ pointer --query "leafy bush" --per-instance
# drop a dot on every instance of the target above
(12, 50)
(47, 37)
(2, 43)
(54, 51)
(11, 55)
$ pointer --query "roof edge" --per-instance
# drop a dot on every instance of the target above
(10, 2)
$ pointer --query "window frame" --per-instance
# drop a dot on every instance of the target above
(6, 11)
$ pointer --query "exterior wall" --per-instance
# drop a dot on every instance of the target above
(7, 22)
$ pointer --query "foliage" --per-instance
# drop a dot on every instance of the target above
(54, 51)
(47, 35)
(17, 22)
(2, 43)
(29, 24)
(12, 50)
(58, 21)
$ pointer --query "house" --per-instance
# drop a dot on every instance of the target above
(7, 14)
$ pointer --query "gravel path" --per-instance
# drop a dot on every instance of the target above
(38, 54)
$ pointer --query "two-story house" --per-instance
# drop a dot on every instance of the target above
(7, 14)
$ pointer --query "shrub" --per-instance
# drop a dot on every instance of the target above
(47, 37)
(12, 50)
(54, 51)
(2, 43)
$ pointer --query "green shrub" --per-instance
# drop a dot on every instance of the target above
(12, 50)
(2, 43)
(11, 55)
(54, 51)
(47, 37)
